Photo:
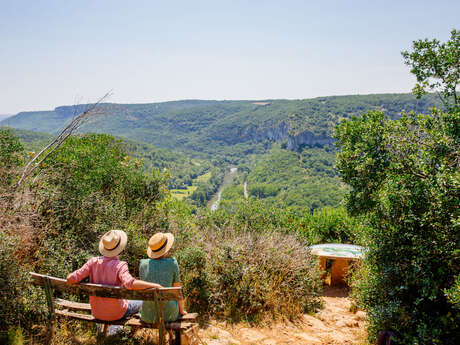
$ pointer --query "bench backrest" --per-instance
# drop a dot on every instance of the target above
(100, 290)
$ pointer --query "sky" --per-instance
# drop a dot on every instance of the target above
(56, 53)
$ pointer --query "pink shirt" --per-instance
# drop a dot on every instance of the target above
(109, 271)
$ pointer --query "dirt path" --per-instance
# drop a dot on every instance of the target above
(333, 325)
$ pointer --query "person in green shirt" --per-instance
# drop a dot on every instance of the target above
(163, 270)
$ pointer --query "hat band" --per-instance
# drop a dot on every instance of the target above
(118, 242)
(163, 245)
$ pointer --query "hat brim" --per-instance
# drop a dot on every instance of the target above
(155, 255)
(118, 249)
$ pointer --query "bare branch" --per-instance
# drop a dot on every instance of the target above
(76, 122)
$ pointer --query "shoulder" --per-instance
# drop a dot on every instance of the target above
(144, 262)
(172, 261)
(120, 264)
(93, 260)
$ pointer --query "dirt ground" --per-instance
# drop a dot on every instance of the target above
(333, 325)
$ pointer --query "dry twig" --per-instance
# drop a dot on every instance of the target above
(77, 121)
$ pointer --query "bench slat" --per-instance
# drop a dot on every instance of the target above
(72, 305)
(175, 325)
(87, 307)
(100, 290)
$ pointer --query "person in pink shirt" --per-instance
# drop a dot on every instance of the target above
(109, 270)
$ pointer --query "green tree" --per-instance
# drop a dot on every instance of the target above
(437, 67)
(405, 179)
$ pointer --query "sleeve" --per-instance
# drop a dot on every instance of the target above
(80, 274)
(125, 277)
(176, 273)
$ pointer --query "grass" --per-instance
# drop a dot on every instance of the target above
(180, 194)
(203, 178)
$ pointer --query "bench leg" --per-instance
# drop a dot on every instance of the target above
(105, 329)
(177, 336)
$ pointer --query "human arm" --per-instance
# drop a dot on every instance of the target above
(142, 285)
(80, 274)
(131, 283)
(180, 303)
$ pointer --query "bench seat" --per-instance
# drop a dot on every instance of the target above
(133, 322)
(183, 323)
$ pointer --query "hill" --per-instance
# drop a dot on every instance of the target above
(230, 129)
(283, 148)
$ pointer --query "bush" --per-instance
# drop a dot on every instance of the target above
(14, 307)
(249, 275)
(10, 158)
(330, 225)
(405, 180)
(82, 190)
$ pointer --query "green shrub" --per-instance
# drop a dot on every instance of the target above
(250, 276)
(195, 279)
(16, 302)
(405, 180)
(331, 225)
(10, 158)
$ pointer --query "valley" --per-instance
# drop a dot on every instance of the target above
(283, 149)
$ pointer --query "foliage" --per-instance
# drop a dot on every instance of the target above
(10, 157)
(87, 187)
(320, 226)
(405, 179)
(15, 309)
(303, 181)
(225, 131)
(329, 225)
(453, 294)
(255, 277)
(437, 67)
(207, 188)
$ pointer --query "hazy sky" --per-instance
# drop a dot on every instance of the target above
(66, 52)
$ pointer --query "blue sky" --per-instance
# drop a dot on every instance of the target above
(66, 52)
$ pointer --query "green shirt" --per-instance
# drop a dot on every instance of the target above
(165, 272)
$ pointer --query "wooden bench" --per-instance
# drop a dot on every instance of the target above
(79, 311)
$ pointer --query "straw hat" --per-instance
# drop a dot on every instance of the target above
(113, 243)
(160, 244)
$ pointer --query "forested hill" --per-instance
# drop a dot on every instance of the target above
(215, 126)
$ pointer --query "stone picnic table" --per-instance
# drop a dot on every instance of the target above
(340, 255)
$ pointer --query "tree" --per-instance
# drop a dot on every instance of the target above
(436, 66)
(405, 179)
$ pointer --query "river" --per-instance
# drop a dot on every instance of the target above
(228, 178)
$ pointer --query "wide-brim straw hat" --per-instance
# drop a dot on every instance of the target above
(113, 243)
(159, 244)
